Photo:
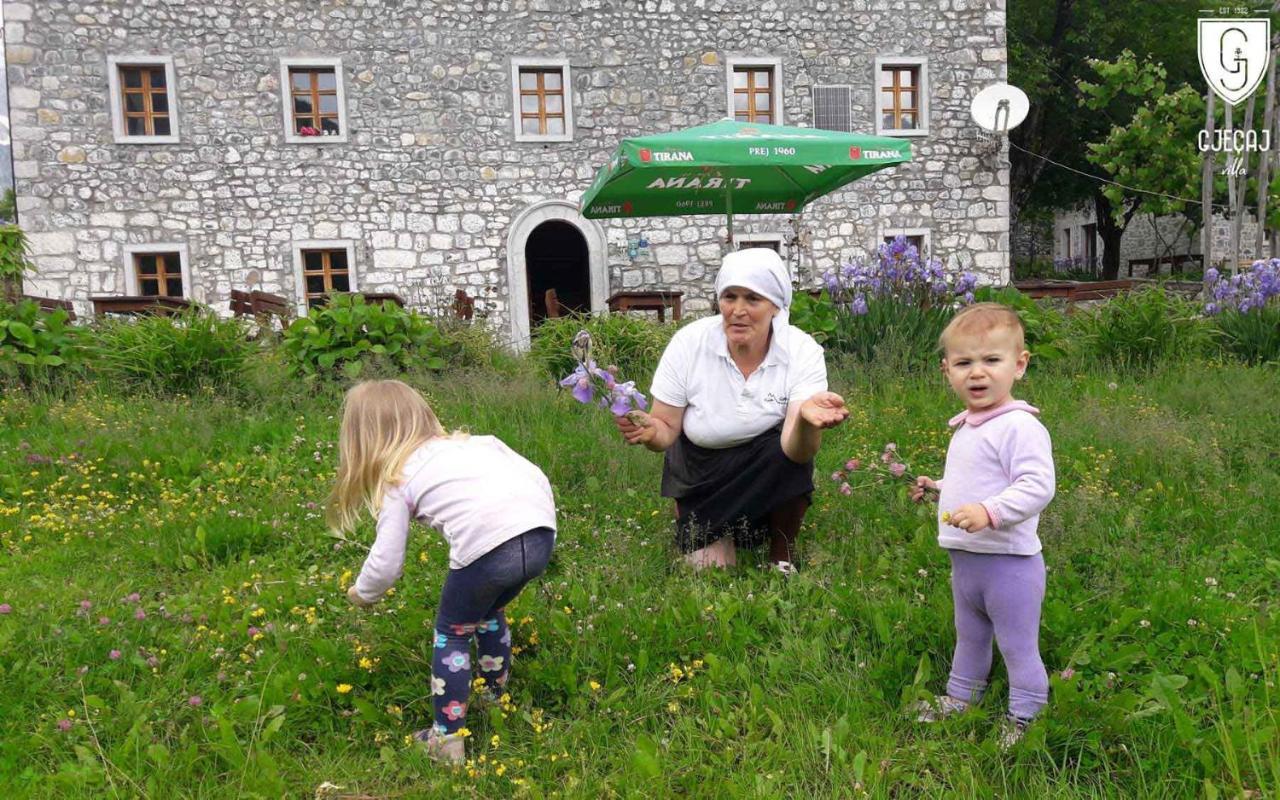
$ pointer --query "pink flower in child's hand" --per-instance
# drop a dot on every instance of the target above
(846, 489)
(852, 465)
(897, 470)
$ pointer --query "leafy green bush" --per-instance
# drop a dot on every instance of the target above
(1045, 326)
(1253, 336)
(348, 334)
(1141, 329)
(171, 354)
(1245, 309)
(34, 343)
(475, 345)
(632, 343)
(889, 308)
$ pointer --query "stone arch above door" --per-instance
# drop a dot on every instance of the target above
(517, 274)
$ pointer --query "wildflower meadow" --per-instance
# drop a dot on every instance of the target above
(172, 619)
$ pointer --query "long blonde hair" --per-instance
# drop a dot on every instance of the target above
(383, 422)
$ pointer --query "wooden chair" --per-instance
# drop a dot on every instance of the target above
(464, 306)
(554, 309)
(259, 304)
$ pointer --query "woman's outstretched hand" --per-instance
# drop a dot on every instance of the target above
(637, 427)
(824, 410)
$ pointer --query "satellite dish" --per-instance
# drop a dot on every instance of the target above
(999, 107)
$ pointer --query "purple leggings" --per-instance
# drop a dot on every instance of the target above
(1000, 595)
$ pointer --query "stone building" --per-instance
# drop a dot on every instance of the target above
(1151, 244)
(423, 146)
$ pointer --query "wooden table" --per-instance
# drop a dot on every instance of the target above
(373, 298)
(139, 304)
(647, 301)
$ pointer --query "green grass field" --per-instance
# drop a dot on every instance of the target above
(177, 626)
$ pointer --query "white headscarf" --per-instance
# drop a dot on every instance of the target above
(761, 270)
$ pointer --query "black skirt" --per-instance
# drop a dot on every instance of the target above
(730, 491)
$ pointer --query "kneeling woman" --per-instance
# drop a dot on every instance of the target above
(740, 400)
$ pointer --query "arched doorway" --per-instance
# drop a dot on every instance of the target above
(522, 296)
(555, 257)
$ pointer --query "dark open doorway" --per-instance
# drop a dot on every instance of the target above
(555, 257)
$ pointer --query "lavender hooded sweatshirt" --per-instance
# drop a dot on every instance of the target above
(1003, 459)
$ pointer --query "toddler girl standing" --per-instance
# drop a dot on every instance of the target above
(493, 507)
(998, 478)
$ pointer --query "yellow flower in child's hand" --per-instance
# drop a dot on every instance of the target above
(343, 688)
(946, 517)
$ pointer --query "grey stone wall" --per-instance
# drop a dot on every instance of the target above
(1148, 237)
(431, 178)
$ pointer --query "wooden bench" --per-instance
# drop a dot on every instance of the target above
(130, 305)
(1097, 290)
(52, 304)
(1073, 291)
(260, 305)
(658, 301)
(1153, 265)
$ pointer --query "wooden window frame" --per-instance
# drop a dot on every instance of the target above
(775, 241)
(299, 268)
(921, 66)
(519, 64)
(133, 282)
(287, 65)
(117, 92)
(734, 64)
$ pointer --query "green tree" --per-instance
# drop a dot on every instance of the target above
(1051, 44)
(1153, 151)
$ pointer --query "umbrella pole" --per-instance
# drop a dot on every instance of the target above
(728, 210)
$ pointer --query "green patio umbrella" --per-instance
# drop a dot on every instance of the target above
(732, 168)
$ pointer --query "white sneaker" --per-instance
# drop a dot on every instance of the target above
(1011, 731)
(939, 708)
(446, 748)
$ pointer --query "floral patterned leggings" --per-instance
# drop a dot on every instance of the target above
(471, 604)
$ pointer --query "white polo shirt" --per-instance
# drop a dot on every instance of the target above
(722, 408)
